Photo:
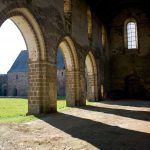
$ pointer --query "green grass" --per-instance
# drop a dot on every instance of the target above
(90, 103)
(15, 110)
(61, 105)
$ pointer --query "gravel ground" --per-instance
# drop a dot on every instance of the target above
(117, 125)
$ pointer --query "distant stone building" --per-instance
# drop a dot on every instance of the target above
(18, 76)
(15, 82)
(3, 85)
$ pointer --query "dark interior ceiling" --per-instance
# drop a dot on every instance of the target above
(107, 9)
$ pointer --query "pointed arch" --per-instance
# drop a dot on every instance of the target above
(30, 30)
(72, 70)
(69, 53)
(91, 77)
(32, 34)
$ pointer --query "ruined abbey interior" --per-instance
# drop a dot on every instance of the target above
(108, 39)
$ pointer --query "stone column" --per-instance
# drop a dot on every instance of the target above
(75, 88)
(70, 88)
(42, 88)
(82, 88)
(91, 89)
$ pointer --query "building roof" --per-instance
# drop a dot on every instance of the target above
(2, 75)
(21, 62)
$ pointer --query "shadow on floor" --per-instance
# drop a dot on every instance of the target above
(102, 136)
(134, 103)
(140, 115)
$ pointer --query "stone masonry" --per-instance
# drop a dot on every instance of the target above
(3, 85)
(82, 29)
(15, 82)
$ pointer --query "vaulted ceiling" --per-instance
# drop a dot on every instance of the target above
(107, 9)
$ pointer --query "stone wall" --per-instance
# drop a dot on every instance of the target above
(18, 84)
(42, 24)
(19, 81)
(130, 67)
(3, 85)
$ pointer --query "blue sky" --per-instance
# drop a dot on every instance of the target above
(11, 43)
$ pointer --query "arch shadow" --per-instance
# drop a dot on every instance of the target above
(100, 135)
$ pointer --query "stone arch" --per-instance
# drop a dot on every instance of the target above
(72, 70)
(33, 37)
(30, 30)
(91, 77)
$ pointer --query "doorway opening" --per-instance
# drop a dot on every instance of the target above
(69, 72)
(13, 61)
(91, 78)
(33, 50)
(61, 80)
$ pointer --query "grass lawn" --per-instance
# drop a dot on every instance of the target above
(15, 110)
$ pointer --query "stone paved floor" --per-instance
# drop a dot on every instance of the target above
(117, 125)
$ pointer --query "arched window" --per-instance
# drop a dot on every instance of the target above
(89, 20)
(103, 36)
(68, 14)
(131, 37)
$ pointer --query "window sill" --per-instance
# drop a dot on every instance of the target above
(132, 51)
